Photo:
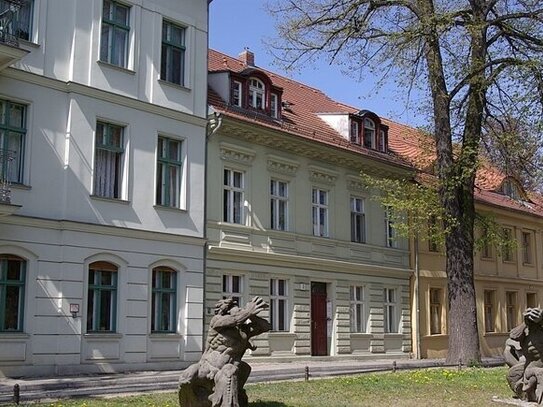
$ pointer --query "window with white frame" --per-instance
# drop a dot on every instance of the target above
(257, 92)
(274, 105)
(279, 204)
(169, 171)
(114, 39)
(355, 132)
(511, 309)
(232, 287)
(527, 247)
(102, 297)
(12, 140)
(12, 293)
(369, 133)
(20, 25)
(358, 220)
(320, 212)
(108, 160)
(233, 196)
(383, 141)
(390, 232)
(489, 297)
(237, 93)
(358, 309)
(279, 304)
(436, 309)
(390, 310)
(172, 62)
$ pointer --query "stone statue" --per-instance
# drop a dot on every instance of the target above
(523, 353)
(217, 380)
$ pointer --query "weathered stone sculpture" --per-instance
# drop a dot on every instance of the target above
(217, 380)
(523, 353)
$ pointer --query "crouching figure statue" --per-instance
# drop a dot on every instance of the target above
(217, 380)
(523, 353)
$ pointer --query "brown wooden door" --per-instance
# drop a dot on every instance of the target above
(319, 337)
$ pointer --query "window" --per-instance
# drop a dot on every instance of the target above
(163, 301)
(435, 310)
(390, 233)
(102, 297)
(486, 250)
(108, 160)
(358, 220)
(274, 105)
(383, 141)
(115, 32)
(172, 62)
(526, 247)
(320, 212)
(489, 310)
(256, 94)
(432, 230)
(233, 196)
(390, 310)
(355, 132)
(358, 309)
(12, 293)
(237, 93)
(20, 25)
(279, 304)
(232, 287)
(510, 189)
(12, 140)
(507, 252)
(369, 133)
(531, 300)
(169, 169)
(511, 309)
(279, 204)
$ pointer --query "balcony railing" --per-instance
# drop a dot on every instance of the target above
(6, 157)
(14, 20)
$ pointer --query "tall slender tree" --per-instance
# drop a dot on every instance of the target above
(475, 58)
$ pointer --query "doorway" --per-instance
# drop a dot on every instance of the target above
(319, 323)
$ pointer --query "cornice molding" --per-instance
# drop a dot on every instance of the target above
(106, 96)
(355, 184)
(237, 154)
(322, 175)
(282, 165)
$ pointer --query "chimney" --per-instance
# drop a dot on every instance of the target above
(247, 57)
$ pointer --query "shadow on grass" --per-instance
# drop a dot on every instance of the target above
(266, 404)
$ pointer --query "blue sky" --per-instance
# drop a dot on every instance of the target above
(235, 24)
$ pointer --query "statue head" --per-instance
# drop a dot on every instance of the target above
(222, 307)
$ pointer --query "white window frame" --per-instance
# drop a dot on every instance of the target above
(227, 284)
(229, 197)
(358, 213)
(390, 310)
(390, 233)
(276, 199)
(435, 308)
(274, 105)
(320, 209)
(257, 89)
(358, 308)
(237, 86)
(354, 132)
(276, 299)
(369, 128)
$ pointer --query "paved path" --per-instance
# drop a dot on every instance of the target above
(47, 388)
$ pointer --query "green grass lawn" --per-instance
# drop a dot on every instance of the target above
(428, 387)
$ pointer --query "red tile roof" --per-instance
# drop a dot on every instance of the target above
(407, 146)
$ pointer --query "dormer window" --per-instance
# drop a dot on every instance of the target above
(274, 105)
(510, 189)
(236, 93)
(369, 133)
(355, 132)
(383, 141)
(256, 93)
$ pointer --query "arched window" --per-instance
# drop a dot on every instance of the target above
(12, 292)
(257, 90)
(510, 189)
(164, 300)
(369, 133)
(102, 297)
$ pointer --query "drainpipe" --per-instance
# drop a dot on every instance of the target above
(416, 294)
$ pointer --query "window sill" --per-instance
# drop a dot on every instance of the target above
(281, 334)
(361, 335)
(13, 336)
(509, 262)
(393, 335)
(21, 186)
(165, 336)
(169, 208)
(28, 43)
(114, 200)
(106, 336)
(528, 265)
(488, 259)
(174, 85)
(116, 67)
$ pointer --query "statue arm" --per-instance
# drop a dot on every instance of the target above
(241, 315)
(258, 326)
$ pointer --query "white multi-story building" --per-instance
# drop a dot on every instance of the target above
(102, 131)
